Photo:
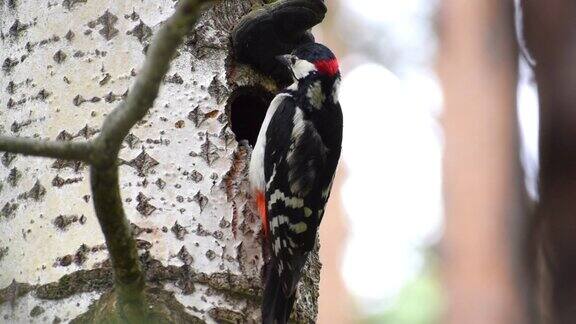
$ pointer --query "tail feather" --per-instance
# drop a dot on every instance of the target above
(277, 305)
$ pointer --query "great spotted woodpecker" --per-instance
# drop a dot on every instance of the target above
(292, 168)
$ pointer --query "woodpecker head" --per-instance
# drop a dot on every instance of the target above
(311, 59)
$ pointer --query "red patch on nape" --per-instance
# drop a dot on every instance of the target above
(328, 67)
(261, 203)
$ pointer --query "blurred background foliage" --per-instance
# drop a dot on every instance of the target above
(418, 302)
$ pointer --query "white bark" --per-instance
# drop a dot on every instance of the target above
(65, 65)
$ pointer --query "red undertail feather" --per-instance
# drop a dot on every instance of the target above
(328, 67)
(261, 202)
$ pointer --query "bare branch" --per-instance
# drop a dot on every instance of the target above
(80, 151)
(145, 90)
(128, 275)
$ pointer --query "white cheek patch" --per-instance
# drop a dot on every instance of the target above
(302, 68)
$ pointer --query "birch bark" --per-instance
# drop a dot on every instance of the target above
(65, 66)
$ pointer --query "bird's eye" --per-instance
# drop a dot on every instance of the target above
(293, 59)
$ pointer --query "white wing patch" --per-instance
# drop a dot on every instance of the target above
(296, 185)
(291, 202)
(256, 173)
(271, 177)
(280, 267)
(299, 228)
(316, 95)
(292, 244)
(277, 221)
(300, 184)
(299, 125)
(277, 245)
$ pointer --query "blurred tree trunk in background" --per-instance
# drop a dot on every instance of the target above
(485, 232)
(65, 66)
(551, 37)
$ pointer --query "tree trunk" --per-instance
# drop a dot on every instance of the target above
(65, 66)
(550, 36)
(485, 233)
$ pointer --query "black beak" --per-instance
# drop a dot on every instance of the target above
(286, 60)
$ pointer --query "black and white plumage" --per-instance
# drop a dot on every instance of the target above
(292, 168)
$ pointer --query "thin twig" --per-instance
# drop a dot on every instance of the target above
(128, 275)
(81, 151)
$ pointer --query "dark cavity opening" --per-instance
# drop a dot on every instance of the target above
(247, 108)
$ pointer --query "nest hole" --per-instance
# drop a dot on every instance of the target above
(247, 109)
